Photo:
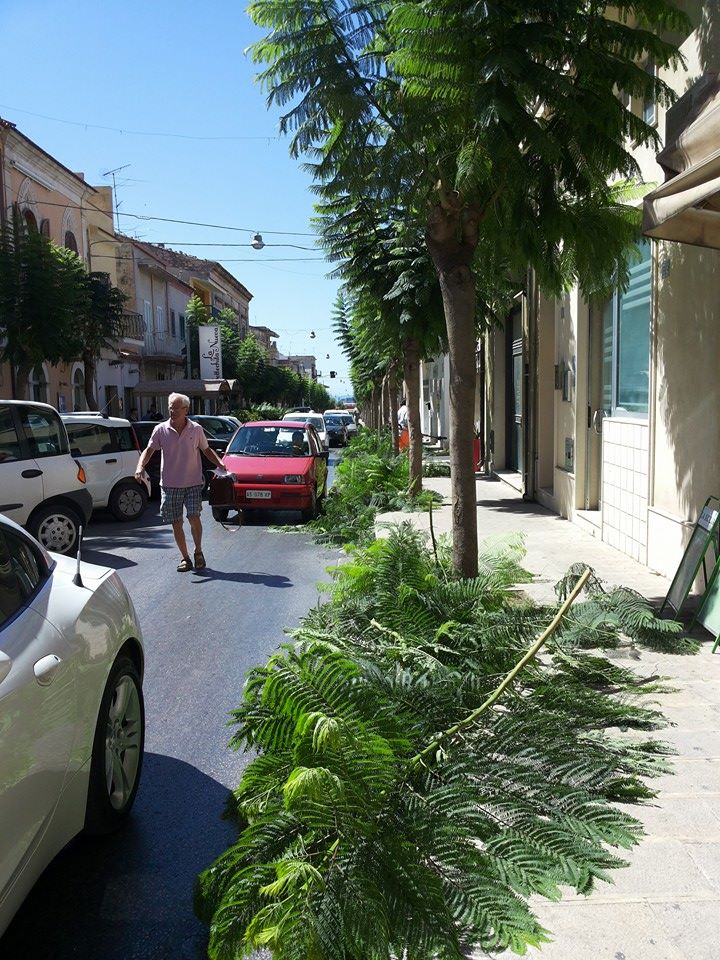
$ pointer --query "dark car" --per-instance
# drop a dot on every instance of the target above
(336, 430)
(221, 428)
(143, 431)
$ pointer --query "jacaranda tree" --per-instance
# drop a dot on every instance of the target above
(495, 127)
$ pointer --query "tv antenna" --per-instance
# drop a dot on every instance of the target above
(111, 173)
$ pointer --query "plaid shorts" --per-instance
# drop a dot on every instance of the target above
(174, 498)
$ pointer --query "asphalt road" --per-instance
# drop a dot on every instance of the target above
(129, 896)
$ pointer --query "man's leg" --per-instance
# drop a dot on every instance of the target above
(196, 530)
(179, 534)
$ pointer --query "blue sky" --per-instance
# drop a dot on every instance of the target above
(178, 68)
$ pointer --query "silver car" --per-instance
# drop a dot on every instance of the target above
(72, 719)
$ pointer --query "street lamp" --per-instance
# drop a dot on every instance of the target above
(257, 242)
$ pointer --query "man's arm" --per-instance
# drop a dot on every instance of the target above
(208, 450)
(145, 457)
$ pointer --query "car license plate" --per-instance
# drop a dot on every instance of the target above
(258, 494)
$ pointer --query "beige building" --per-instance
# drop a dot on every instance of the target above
(69, 211)
(265, 337)
(304, 365)
(604, 412)
(210, 281)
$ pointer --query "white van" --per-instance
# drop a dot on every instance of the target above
(108, 450)
(41, 486)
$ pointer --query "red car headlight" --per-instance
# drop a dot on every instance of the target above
(295, 478)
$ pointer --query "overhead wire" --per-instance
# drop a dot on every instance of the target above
(135, 133)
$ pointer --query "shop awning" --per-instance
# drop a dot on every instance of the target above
(686, 207)
(191, 388)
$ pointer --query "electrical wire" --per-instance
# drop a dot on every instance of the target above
(134, 133)
(190, 223)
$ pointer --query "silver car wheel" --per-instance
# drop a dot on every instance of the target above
(122, 742)
(130, 502)
(57, 532)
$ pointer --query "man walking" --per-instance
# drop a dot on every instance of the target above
(181, 475)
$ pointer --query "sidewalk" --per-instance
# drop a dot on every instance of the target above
(666, 904)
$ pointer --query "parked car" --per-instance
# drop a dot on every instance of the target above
(41, 485)
(219, 427)
(108, 449)
(336, 430)
(143, 431)
(278, 465)
(317, 421)
(71, 667)
(347, 418)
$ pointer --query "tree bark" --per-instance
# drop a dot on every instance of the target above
(393, 408)
(411, 372)
(451, 236)
(21, 381)
(89, 374)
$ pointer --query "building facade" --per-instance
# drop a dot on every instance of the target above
(602, 411)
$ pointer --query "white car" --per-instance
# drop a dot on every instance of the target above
(317, 421)
(72, 719)
(108, 450)
(41, 485)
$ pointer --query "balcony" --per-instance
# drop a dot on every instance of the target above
(132, 327)
(161, 344)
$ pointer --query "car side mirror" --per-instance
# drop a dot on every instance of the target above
(325, 454)
(75, 452)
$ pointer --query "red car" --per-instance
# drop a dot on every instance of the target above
(278, 465)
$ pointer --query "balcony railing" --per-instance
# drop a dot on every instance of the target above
(133, 326)
(159, 343)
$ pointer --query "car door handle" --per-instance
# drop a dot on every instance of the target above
(5, 665)
(31, 473)
(45, 669)
(111, 460)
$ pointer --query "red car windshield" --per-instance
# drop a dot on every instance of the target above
(271, 441)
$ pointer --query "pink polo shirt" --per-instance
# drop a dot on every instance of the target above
(181, 464)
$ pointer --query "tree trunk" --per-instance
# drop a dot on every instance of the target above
(21, 381)
(451, 236)
(411, 372)
(393, 408)
(89, 374)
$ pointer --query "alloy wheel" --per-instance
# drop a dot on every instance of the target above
(122, 742)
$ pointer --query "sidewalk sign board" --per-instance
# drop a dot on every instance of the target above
(703, 536)
(709, 613)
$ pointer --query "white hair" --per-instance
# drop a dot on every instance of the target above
(184, 400)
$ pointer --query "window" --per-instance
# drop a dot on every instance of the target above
(70, 241)
(160, 314)
(9, 443)
(78, 390)
(45, 229)
(125, 438)
(147, 313)
(89, 439)
(38, 385)
(648, 108)
(172, 323)
(20, 574)
(182, 326)
(626, 342)
(30, 220)
(44, 432)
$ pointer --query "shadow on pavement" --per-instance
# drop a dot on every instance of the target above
(266, 579)
(129, 896)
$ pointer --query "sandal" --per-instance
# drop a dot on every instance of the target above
(199, 560)
(185, 565)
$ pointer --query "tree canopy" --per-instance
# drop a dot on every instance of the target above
(493, 129)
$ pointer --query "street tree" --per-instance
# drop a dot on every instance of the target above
(495, 128)
(99, 324)
(41, 295)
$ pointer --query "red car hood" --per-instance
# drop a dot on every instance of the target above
(268, 469)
